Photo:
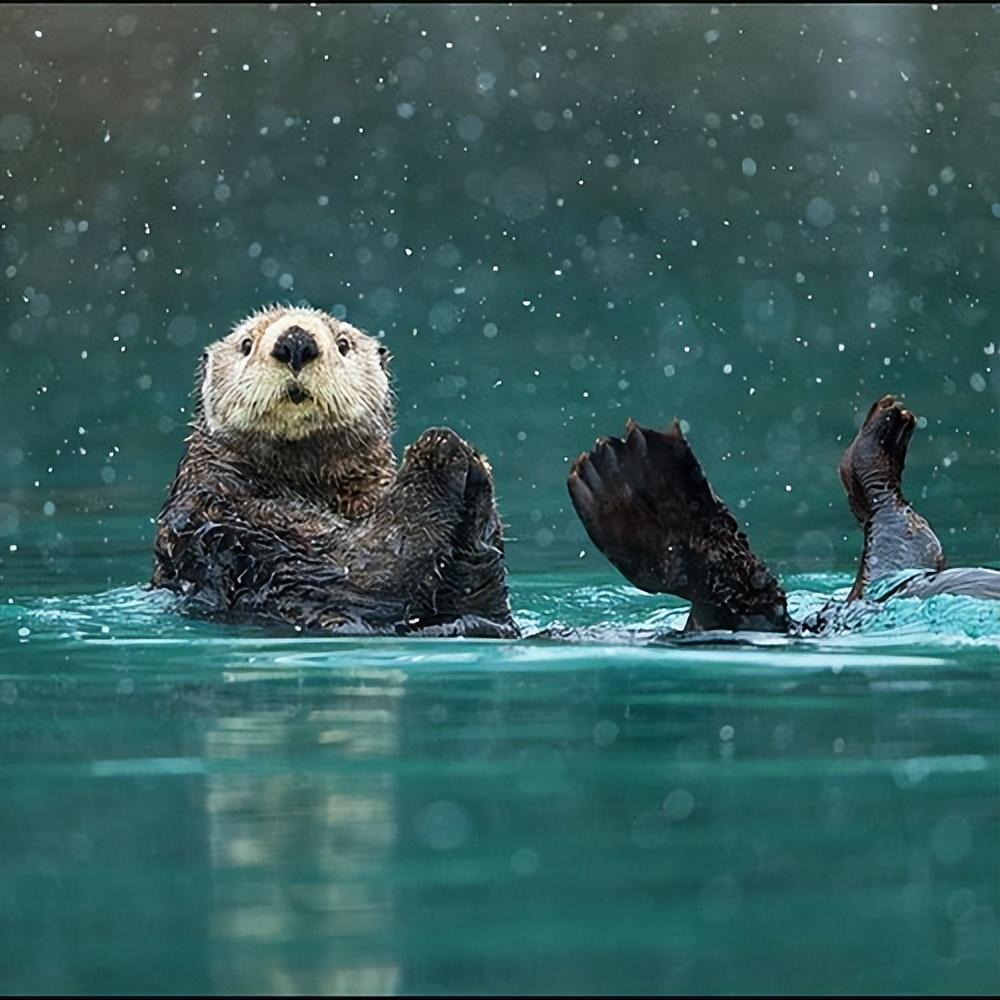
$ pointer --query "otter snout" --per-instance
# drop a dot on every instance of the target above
(295, 348)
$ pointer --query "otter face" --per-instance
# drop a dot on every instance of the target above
(288, 373)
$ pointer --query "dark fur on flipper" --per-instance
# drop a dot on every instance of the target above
(871, 470)
(647, 505)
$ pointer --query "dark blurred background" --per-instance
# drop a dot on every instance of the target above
(758, 219)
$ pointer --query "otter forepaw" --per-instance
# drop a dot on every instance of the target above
(479, 482)
(440, 452)
(481, 522)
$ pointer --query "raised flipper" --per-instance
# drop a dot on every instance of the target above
(871, 470)
(647, 505)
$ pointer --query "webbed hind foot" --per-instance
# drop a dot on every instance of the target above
(647, 505)
(871, 468)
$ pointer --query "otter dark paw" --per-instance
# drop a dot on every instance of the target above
(872, 465)
(448, 459)
(479, 480)
(440, 453)
(647, 505)
(887, 427)
(481, 518)
(641, 498)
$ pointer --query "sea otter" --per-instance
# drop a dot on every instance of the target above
(288, 506)
(647, 505)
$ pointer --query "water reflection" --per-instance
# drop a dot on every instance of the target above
(389, 831)
(245, 813)
(301, 832)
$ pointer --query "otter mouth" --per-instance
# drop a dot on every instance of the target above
(295, 393)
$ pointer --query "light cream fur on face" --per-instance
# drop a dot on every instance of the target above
(346, 384)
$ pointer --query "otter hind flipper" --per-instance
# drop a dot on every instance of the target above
(647, 505)
(631, 508)
(966, 581)
(872, 464)
(896, 537)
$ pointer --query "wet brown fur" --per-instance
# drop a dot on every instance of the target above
(647, 505)
(296, 511)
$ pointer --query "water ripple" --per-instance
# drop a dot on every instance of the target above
(555, 612)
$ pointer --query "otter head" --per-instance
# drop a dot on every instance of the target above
(287, 373)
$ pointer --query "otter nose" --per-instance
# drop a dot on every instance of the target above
(295, 348)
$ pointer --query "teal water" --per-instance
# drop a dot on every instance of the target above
(192, 807)
(755, 218)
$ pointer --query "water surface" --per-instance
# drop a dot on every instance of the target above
(755, 218)
(197, 807)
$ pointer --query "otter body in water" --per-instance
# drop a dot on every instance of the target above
(647, 505)
(288, 505)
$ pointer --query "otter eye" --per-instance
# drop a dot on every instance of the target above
(247, 346)
(343, 345)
